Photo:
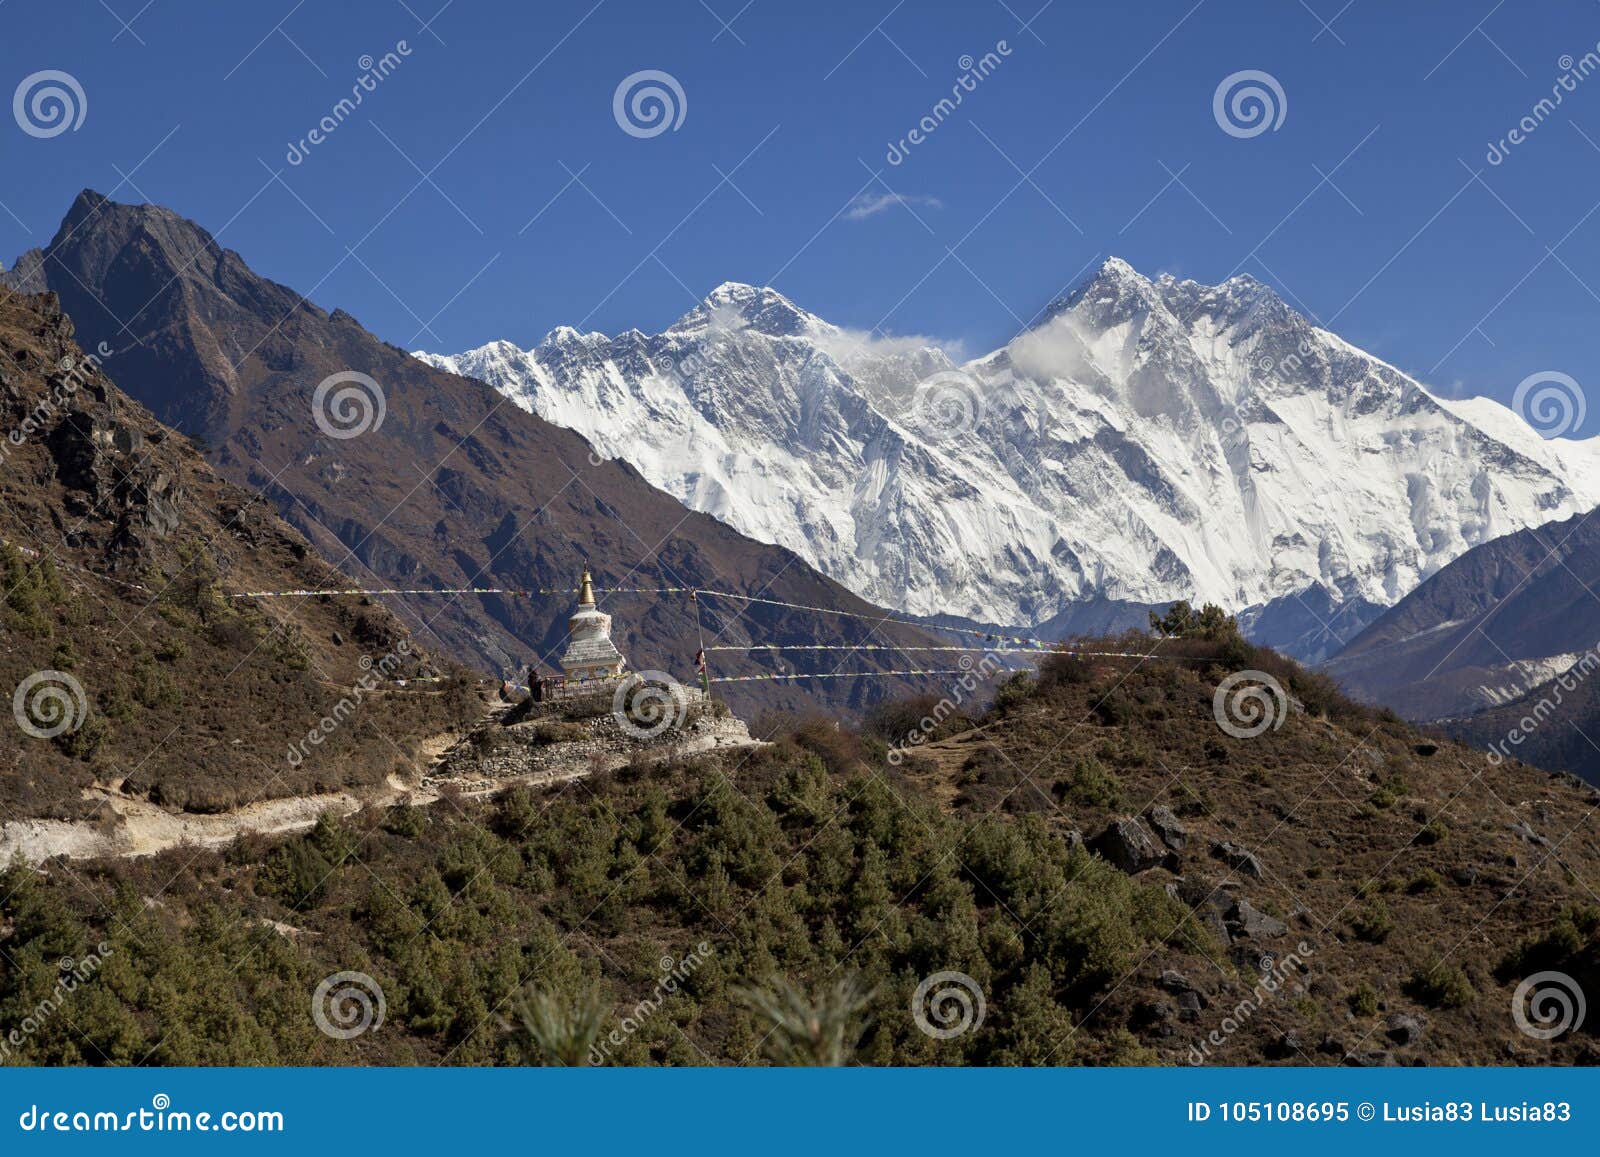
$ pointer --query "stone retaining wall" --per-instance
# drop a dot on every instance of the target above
(498, 755)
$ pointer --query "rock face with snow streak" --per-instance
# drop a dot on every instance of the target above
(1145, 441)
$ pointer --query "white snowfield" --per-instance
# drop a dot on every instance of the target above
(1147, 441)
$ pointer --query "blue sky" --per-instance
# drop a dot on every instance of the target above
(1371, 206)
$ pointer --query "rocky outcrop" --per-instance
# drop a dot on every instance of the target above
(1167, 825)
(1406, 1028)
(1129, 844)
(107, 462)
(27, 275)
(119, 544)
(1237, 857)
(1247, 922)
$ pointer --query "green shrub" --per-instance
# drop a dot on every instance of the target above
(87, 740)
(1424, 882)
(1440, 986)
(405, 821)
(1373, 923)
(32, 591)
(555, 1030)
(1388, 792)
(1364, 1000)
(1014, 691)
(1433, 832)
(1114, 709)
(1089, 784)
(1182, 621)
(821, 1030)
(296, 875)
(154, 687)
(1575, 932)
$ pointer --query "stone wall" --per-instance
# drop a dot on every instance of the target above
(554, 742)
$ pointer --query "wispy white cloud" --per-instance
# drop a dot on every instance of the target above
(853, 347)
(871, 204)
(1057, 349)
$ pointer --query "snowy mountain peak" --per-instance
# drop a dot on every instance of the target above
(1242, 282)
(1115, 292)
(738, 293)
(1149, 440)
(1115, 276)
(734, 305)
(1115, 268)
(1118, 292)
(1241, 302)
(562, 335)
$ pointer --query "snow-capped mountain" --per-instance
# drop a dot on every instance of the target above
(1145, 441)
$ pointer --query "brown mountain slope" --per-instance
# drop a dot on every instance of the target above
(1334, 890)
(119, 542)
(453, 488)
(1500, 648)
(1486, 628)
(1555, 726)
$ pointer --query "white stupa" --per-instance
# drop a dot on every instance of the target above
(590, 653)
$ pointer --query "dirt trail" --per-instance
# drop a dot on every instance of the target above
(128, 826)
(136, 828)
(132, 827)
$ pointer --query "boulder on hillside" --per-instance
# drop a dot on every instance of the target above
(1129, 844)
(1237, 857)
(1174, 981)
(1406, 1029)
(1168, 827)
(1210, 901)
(1247, 922)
